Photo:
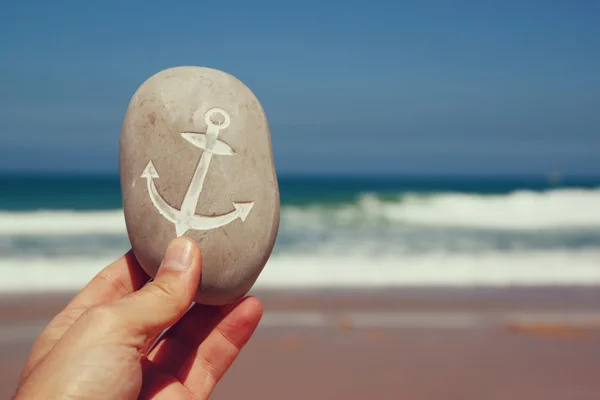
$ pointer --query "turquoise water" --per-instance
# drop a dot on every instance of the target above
(103, 192)
(57, 231)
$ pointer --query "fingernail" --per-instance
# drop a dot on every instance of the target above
(179, 254)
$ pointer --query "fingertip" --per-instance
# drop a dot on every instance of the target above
(194, 248)
(191, 242)
(254, 305)
(249, 310)
(228, 308)
(181, 254)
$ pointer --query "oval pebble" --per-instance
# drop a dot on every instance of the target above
(196, 160)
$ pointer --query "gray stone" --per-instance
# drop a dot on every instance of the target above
(173, 184)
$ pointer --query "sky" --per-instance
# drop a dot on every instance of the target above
(349, 87)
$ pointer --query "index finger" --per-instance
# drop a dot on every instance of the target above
(118, 279)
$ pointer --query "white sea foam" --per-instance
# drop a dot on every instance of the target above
(359, 251)
(343, 271)
(62, 222)
(565, 208)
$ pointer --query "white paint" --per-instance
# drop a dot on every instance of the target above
(199, 222)
(185, 218)
(200, 140)
(164, 208)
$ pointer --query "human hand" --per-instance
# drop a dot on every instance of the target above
(101, 345)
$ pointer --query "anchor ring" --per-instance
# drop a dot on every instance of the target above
(217, 110)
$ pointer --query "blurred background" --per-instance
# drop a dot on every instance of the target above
(446, 143)
(453, 145)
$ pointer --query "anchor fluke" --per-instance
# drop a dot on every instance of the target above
(243, 209)
(150, 171)
(200, 222)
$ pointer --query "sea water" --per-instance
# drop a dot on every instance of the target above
(57, 232)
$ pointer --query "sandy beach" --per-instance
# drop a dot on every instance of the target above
(413, 343)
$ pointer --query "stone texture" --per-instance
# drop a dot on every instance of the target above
(166, 133)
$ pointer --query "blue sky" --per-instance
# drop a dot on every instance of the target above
(348, 87)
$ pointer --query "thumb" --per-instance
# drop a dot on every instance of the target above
(162, 302)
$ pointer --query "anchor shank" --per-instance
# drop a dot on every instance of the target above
(188, 207)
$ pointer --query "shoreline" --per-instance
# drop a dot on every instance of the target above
(40, 302)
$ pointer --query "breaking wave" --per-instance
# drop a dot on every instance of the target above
(564, 208)
(524, 237)
(342, 271)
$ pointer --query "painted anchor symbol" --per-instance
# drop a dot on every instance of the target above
(186, 218)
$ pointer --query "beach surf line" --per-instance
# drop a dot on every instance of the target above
(20, 331)
(426, 320)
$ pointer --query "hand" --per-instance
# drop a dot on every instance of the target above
(101, 345)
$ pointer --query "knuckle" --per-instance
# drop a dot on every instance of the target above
(103, 314)
(117, 284)
(235, 346)
(210, 370)
(163, 290)
(166, 294)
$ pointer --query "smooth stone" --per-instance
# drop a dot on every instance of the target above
(167, 131)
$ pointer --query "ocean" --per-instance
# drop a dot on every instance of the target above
(56, 232)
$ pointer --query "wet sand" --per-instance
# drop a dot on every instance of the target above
(411, 343)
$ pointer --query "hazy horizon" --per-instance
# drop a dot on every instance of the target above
(342, 175)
